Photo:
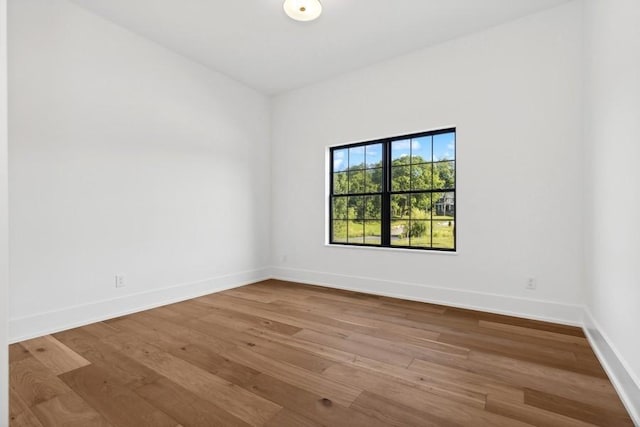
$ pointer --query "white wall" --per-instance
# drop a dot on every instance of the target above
(612, 135)
(514, 94)
(4, 236)
(125, 158)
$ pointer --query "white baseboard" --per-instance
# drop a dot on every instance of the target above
(625, 382)
(24, 328)
(566, 314)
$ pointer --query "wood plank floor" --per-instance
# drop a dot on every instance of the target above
(283, 354)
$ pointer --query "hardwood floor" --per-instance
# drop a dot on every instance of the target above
(283, 354)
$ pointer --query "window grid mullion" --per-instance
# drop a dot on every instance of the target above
(385, 223)
(431, 195)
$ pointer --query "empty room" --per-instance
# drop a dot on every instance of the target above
(319, 213)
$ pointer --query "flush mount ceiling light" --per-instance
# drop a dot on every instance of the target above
(302, 10)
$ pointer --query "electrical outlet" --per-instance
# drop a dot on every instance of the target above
(120, 281)
(531, 284)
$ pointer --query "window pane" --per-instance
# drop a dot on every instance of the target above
(399, 231)
(339, 231)
(421, 205)
(444, 175)
(421, 149)
(400, 207)
(374, 155)
(356, 232)
(400, 178)
(356, 181)
(444, 206)
(419, 233)
(421, 176)
(401, 149)
(356, 207)
(340, 185)
(340, 160)
(373, 180)
(443, 234)
(444, 147)
(339, 207)
(373, 207)
(356, 158)
(373, 233)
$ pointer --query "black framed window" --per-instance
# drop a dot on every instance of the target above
(396, 192)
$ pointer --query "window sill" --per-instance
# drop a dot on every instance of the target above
(375, 248)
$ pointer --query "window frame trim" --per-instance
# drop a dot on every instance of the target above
(387, 192)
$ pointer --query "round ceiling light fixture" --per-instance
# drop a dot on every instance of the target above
(302, 10)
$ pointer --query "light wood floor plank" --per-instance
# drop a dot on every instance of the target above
(339, 392)
(238, 401)
(25, 419)
(531, 414)
(127, 370)
(594, 414)
(17, 352)
(113, 400)
(521, 330)
(310, 405)
(34, 382)
(287, 418)
(394, 413)
(54, 355)
(421, 400)
(17, 407)
(450, 390)
(68, 410)
(187, 407)
(383, 354)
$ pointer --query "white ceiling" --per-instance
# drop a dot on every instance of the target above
(254, 42)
